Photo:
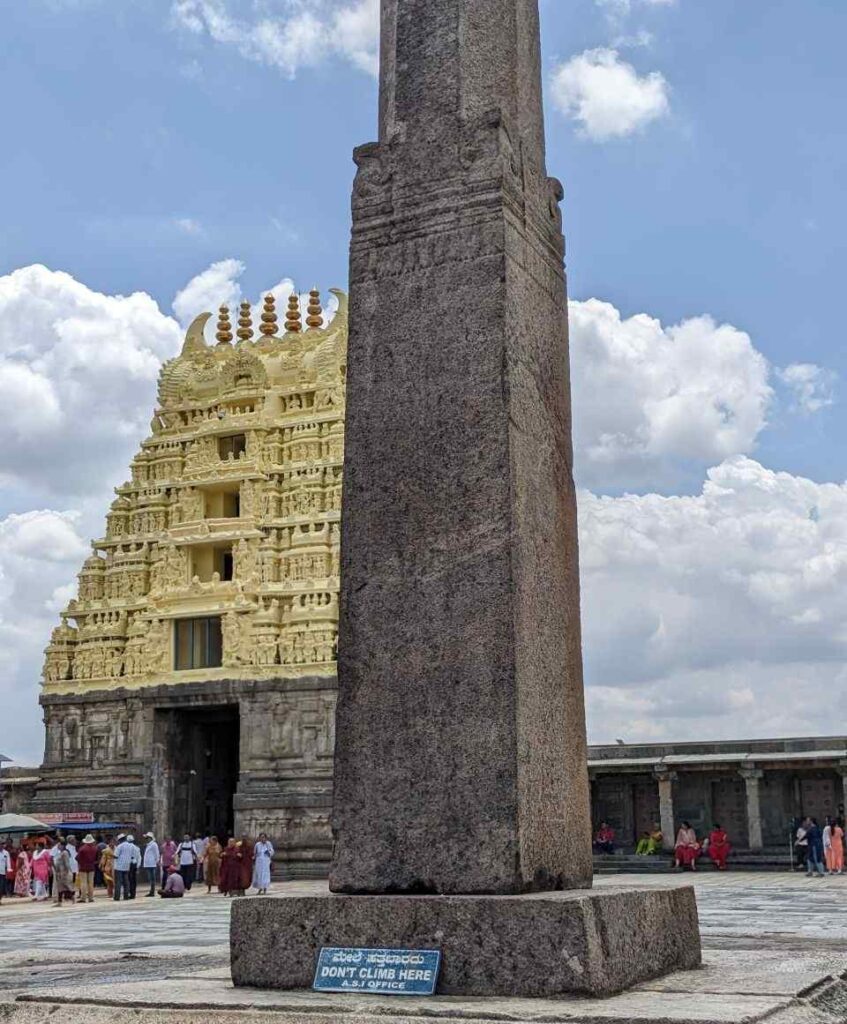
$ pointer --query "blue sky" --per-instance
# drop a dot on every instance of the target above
(701, 153)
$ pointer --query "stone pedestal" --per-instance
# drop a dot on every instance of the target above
(542, 945)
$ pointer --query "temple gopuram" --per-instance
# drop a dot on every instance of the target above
(191, 684)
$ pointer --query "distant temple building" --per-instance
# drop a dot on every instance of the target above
(191, 684)
(755, 789)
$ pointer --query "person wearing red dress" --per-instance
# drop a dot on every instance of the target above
(687, 848)
(719, 847)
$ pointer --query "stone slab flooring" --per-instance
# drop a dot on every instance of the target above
(775, 949)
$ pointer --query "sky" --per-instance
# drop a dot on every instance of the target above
(162, 158)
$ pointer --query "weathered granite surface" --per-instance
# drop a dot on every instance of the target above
(538, 945)
(461, 752)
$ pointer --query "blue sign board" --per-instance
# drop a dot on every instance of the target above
(396, 972)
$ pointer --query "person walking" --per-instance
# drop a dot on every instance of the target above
(212, 873)
(263, 853)
(837, 848)
(815, 861)
(200, 844)
(107, 867)
(168, 853)
(187, 860)
(63, 877)
(246, 864)
(152, 859)
(41, 862)
(134, 866)
(5, 868)
(86, 857)
(801, 844)
(71, 850)
(230, 868)
(124, 858)
(23, 873)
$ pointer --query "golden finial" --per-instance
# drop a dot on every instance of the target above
(292, 316)
(269, 323)
(245, 323)
(224, 334)
(315, 318)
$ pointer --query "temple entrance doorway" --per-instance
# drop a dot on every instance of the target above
(199, 765)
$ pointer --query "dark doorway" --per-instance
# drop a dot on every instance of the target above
(200, 762)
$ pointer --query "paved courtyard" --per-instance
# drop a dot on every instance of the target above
(775, 949)
(780, 907)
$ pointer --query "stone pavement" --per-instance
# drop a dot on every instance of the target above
(775, 949)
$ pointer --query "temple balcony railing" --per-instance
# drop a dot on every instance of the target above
(201, 531)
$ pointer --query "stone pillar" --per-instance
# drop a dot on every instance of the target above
(461, 751)
(842, 771)
(665, 780)
(752, 777)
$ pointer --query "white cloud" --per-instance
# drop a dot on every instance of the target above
(722, 613)
(693, 393)
(813, 387)
(606, 96)
(289, 36)
(189, 226)
(39, 552)
(66, 350)
(216, 286)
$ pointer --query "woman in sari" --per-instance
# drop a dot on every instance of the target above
(687, 848)
(212, 864)
(23, 873)
(41, 872)
(107, 866)
(719, 847)
(230, 868)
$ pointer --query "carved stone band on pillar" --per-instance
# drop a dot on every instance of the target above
(752, 777)
(665, 780)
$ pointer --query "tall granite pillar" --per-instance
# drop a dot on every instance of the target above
(460, 767)
(461, 753)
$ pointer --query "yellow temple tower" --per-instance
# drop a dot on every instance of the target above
(191, 683)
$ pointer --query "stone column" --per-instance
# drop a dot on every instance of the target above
(752, 777)
(842, 771)
(461, 751)
(665, 780)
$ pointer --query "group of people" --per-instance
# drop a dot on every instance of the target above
(688, 847)
(820, 850)
(69, 871)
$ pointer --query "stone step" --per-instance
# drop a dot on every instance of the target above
(623, 862)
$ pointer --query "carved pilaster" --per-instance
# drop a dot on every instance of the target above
(752, 777)
(665, 780)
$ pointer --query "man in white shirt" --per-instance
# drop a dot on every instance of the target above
(5, 866)
(200, 844)
(123, 862)
(134, 866)
(151, 862)
(186, 858)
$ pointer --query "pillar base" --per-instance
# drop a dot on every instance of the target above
(538, 945)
